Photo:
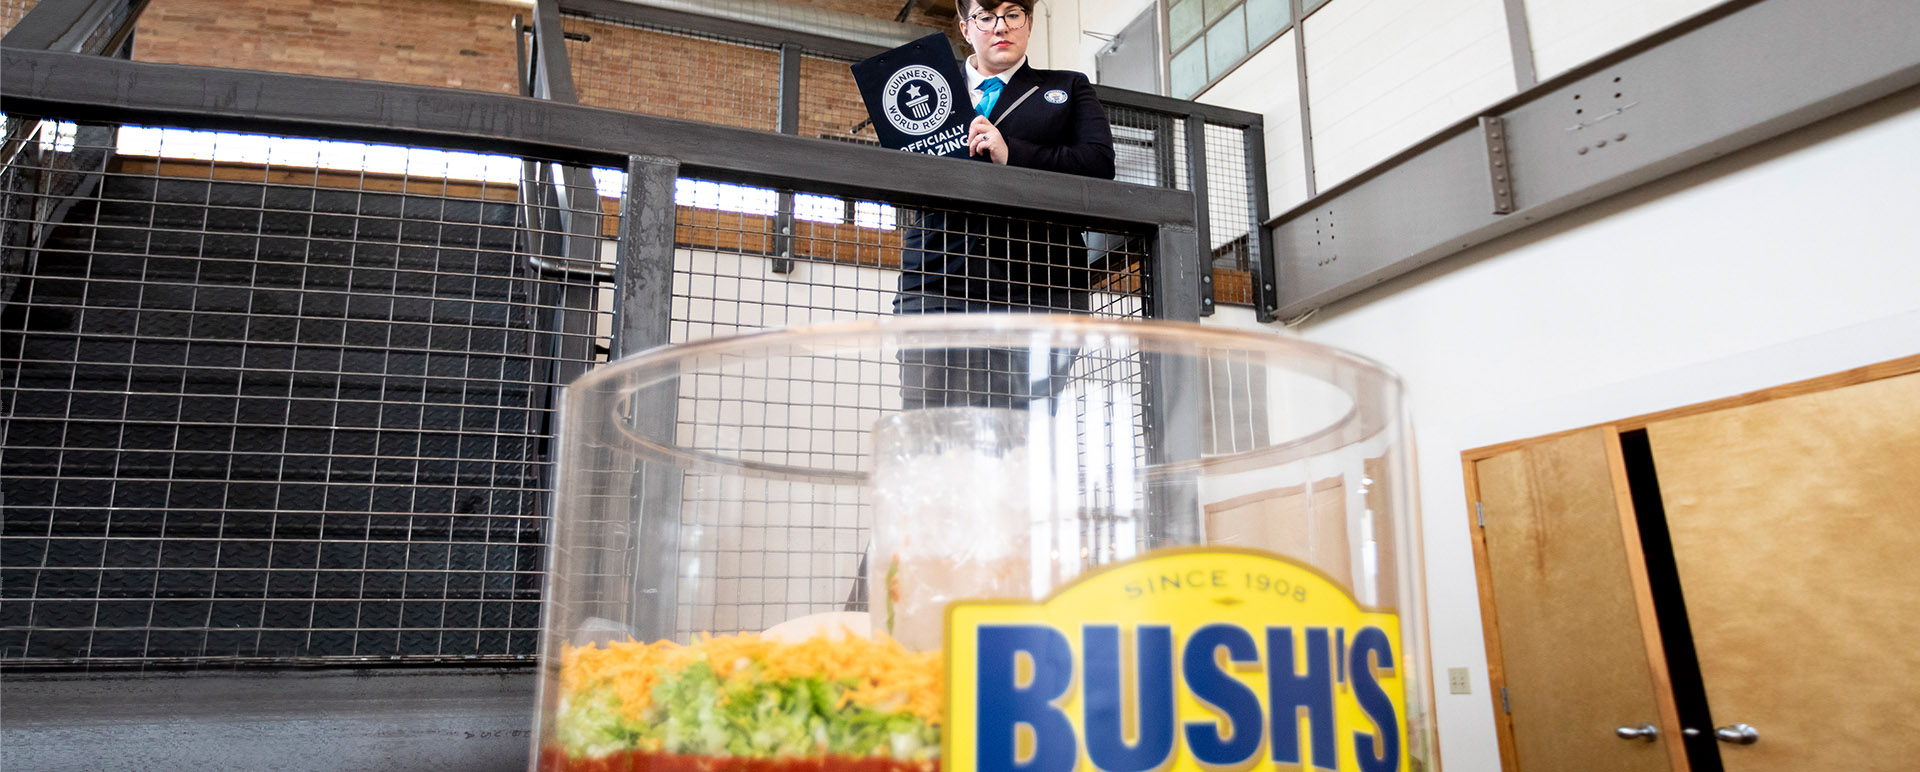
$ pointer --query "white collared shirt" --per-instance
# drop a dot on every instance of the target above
(974, 78)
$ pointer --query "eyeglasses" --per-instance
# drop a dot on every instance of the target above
(985, 22)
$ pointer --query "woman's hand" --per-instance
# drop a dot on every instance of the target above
(982, 137)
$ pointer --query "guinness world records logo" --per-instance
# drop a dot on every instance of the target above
(917, 100)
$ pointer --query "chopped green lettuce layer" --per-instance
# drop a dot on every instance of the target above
(694, 711)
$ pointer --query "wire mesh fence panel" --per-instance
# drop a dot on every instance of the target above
(1149, 147)
(277, 399)
(645, 69)
(798, 547)
(1230, 214)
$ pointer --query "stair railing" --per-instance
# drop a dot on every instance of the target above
(46, 167)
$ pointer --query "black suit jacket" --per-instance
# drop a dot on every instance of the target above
(957, 261)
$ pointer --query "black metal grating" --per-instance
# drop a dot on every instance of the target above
(262, 410)
(1149, 148)
(1230, 214)
(798, 547)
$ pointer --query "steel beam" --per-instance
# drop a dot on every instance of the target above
(60, 26)
(476, 719)
(1202, 216)
(1225, 116)
(789, 123)
(1727, 79)
(643, 302)
(1174, 275)
(1520, 44)
(1172, 393)
(553, 73)
(1260, 243)
(83, 88)
(1300, 91)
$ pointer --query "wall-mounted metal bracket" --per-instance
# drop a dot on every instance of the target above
(1498, 170)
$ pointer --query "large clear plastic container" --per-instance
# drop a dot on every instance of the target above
(761, 561)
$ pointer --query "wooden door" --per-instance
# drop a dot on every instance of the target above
(1796, 532)
(1571, 625)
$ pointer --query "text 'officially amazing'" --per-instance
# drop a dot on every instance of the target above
(941, 143)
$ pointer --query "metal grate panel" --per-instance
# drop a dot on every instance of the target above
(796, 548)
(264, 402)
(1230, 216)
(1149, 148)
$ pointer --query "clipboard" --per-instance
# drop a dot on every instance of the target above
(917, 97)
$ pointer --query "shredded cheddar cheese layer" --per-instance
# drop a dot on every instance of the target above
(882, 675)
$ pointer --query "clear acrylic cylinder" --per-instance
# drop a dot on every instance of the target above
(760, 561)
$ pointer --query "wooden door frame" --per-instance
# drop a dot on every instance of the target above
(1636, 559)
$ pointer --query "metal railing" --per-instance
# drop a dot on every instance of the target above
(617, 55)
(274, 412)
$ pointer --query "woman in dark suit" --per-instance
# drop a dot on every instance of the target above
(954, 262)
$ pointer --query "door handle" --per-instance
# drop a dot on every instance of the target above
(1737, 734)
(1646, 732)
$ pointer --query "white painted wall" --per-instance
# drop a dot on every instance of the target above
(1787, 261)
(1783, 262)
(1269, 84)
(1566, 33)
(1102, 18)
(1385, 74)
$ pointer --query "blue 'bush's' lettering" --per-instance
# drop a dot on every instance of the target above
(1106, 711)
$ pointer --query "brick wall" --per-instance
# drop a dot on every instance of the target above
(455, 43)
(830, 101)
(936, 15)
(708, 80)
(10, 13)
(675, 75)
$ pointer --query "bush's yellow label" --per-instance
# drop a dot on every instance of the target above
(1180, 661)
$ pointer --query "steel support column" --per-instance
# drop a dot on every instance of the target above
(1520, 41)
(1260, 244)
(1173, 409)
(1197, 182)
(643, 299)
(789, 123)
(1300, 83)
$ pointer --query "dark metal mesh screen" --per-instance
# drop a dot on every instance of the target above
(1230, 214)
(800, 545)
(274, 400)
(1149, 148)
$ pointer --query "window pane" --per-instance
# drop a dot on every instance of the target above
(807, 206)
(1226, 44)
(1183, 22)
(1190, 70)
(1265, 18)
(1217, 8)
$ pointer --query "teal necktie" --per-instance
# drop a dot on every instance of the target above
(990, 93)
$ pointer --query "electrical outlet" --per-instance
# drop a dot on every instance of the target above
(1457, 681)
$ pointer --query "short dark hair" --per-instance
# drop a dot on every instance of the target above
(970, 7)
